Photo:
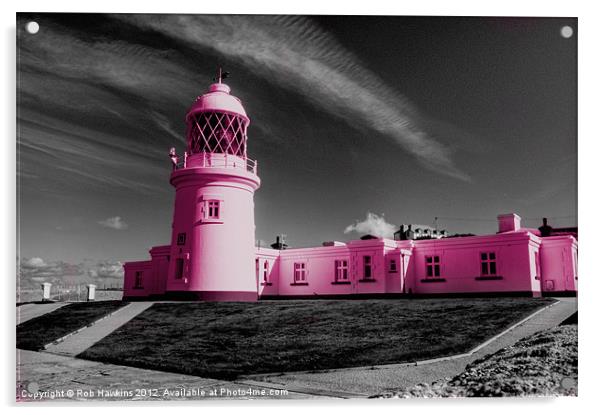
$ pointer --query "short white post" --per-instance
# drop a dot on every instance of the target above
(46, 291)
(91, 292)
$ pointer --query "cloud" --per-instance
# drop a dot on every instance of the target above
(303, 57)
(373, 225)
(114, 223)
(34, 263)
(34, 271)
(109, 269)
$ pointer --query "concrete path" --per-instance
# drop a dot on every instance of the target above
(77, 342)
(374, 380)
(29, 311)
(52, 372)
(67, 379)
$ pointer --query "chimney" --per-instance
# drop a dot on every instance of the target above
(400, 234)
(545, 229)
(508, 222)
(279, 244)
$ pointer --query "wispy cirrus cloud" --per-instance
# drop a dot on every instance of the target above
(302, 56)
(114, 222)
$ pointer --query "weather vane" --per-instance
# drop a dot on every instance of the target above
(221, 75)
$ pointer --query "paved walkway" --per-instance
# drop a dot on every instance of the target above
(50, 371)
(76, 343)
(26, 312)
(87, 380)
(373, 380)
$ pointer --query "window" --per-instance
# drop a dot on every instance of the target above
(181, 238)
(433, 266)
(537, 265)
(299, 274)
(266, 266)
(392, 265)
(341, 270)
(488, 264)
(179, 268)
(213, 209)
(138, 279)
(367, 267)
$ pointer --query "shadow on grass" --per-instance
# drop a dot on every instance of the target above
(38, 332)
(227, 340)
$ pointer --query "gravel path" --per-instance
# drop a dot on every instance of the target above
(543, 364)
(56, 377)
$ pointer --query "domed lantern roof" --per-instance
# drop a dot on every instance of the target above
(218, 99)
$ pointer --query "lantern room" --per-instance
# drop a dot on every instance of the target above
(217, 123)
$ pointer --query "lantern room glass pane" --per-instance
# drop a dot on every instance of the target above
(217, 133)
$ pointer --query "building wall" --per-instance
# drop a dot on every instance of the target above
(130, 288)
(160, 259)
(516, 267)
(268, 281)
(218, 254)
(559, 264)
(460, 265)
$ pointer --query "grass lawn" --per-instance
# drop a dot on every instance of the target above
(226, 340)
(38, 332)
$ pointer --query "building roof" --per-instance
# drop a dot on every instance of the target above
(218, 99)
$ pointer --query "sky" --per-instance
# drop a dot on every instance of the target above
(358, 124)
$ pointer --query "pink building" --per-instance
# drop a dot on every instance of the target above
(212, 255)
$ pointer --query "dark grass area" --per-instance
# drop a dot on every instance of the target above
(226, 340)
(38, 332)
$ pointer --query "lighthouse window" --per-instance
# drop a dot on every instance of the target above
(367, 267)
(138, 279)
(179, 268)
(341, 270)
(213, 209)
(488, 264)
(392, 265)
(299, 272)
(433, 266)
(265, 271)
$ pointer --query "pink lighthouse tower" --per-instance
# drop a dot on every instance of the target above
(213, 236)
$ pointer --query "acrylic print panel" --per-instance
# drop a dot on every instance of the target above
(284, 207)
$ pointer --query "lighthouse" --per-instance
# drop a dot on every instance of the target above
(212, 253)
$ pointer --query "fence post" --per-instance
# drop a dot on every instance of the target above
(91, 292)
(46, 291)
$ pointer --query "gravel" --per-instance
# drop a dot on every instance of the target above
(544, 364)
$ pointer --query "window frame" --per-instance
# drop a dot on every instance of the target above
(490, 259)
(299, 273)
(432, 266)
(266, 267)
(138, 280)
(211, 209)
(179, 270)
(392, 265)
(341, 270)
(367, 267)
